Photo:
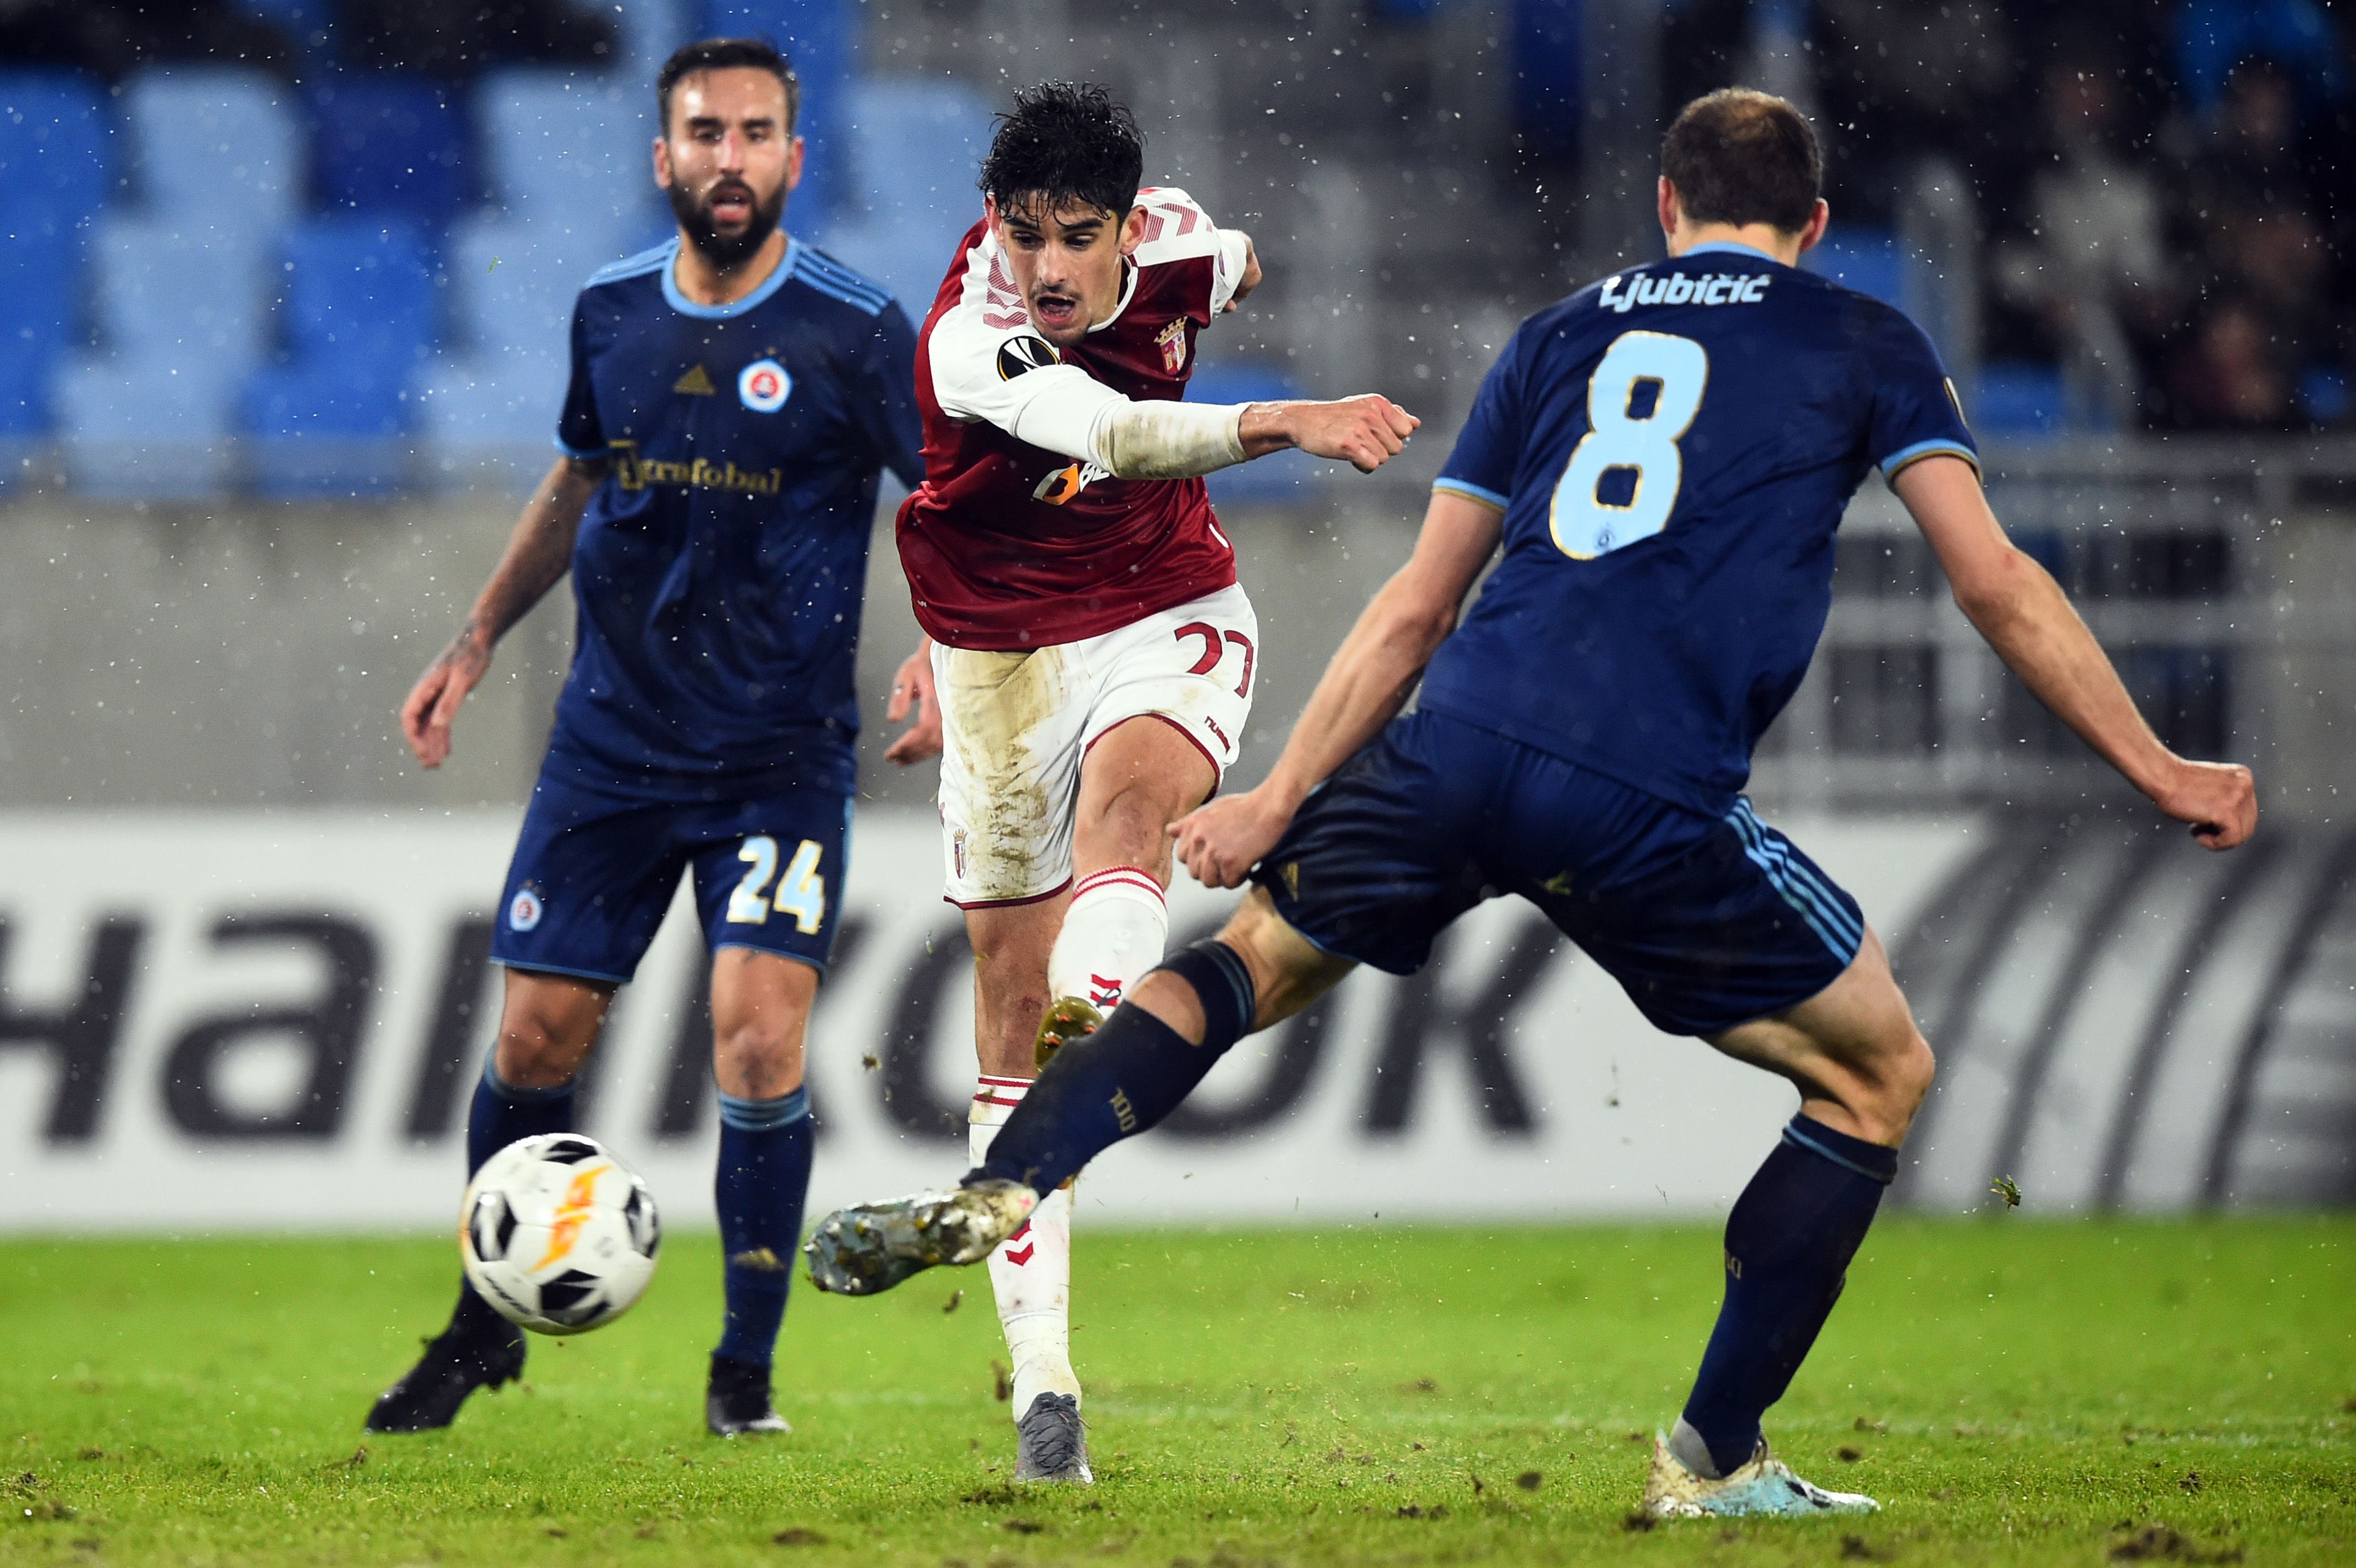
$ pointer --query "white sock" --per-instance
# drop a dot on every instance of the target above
(1112, 935)
(1030, 1271)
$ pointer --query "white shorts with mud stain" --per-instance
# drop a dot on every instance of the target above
(1015, 727)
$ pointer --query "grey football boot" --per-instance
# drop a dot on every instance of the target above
(1051, 1442)
(866, 1250)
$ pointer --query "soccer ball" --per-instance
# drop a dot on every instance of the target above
(557, 1234)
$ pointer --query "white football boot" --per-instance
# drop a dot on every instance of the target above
(1762, 1488)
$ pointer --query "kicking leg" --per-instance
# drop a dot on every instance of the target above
(760, 1009)
(1862, 1070)
(1116, 1084)
(546, 1024)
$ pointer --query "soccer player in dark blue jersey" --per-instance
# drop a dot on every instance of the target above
(1665, 457)
(734, 396)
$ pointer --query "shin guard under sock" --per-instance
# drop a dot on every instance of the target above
(1124, 1078)
(1030, 1271)
(1112, 935)
(500, 1114)
(760, 1185)
(1788, 1245)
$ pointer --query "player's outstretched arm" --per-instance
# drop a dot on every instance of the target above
(538, 554)
(2023, 613)
(1365, 431)
(1153, 438)
(1364, 688)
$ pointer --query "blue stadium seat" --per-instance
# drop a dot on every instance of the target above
(40, 267)
(187, 295)
(493, 405)
(512, 283)
(1869, 260)
(359, 318)
(223, 146)
(2016, 399)
(140, 432)
(57, 145)
(391, 147)
(915, 146)
(568, 147)
(56, 169)
(180, 319)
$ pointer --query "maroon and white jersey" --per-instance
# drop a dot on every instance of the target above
(1008, 545)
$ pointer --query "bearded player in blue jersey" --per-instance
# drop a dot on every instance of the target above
(1664, 456)
(734, 396)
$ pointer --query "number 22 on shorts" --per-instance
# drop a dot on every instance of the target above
(1585, 526)
(801, 891)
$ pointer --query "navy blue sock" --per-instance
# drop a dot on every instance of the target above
(1122, 1080)
(764, 1178)
(1788, 1245)
(500, 1114)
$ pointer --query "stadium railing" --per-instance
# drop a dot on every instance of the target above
(2219, 575)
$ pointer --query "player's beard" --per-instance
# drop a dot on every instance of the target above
(726, 251)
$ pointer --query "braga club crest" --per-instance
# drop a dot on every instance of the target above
(1173, 339)
(763, 386)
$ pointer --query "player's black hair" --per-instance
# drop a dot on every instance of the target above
(723, 54)
(1065, 141)
(1739, 155)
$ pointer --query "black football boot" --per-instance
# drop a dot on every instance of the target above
(479, 1350)
(736, 1401)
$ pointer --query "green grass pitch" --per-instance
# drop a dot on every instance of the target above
(2013, 1390)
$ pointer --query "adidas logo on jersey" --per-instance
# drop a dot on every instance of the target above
(696, 383)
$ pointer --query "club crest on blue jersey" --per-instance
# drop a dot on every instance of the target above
(764, 386)
(525, 908)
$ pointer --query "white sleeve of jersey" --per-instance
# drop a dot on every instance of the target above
(1178, 229)
(990, 363)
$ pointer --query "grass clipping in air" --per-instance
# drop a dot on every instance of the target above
(2030, 1393)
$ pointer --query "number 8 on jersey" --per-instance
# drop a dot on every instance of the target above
(1584, 525)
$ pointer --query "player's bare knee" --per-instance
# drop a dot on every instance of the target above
(1169, 997)
(1288, 971)
(1133, 828)
(1887, 1088)
(536, 1049)
(759, 1059)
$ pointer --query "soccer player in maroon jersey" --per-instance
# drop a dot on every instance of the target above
(1090, 656)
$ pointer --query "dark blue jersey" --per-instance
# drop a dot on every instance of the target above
(1673, 448)
(720, 567)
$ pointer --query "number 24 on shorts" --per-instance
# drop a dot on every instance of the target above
(801, 891)
(1678, 368)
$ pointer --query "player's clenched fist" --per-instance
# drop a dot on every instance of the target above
(1365, 431)
(1219, 843)
(2218, 799)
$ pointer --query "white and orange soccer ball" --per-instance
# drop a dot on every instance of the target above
(557, 1234)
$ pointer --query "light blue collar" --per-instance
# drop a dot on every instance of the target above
(769, 285)
(1705, 247)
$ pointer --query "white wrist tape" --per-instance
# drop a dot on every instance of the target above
(1153, 439)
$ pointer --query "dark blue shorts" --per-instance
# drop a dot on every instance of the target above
(1706, 921)
(595, 868)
